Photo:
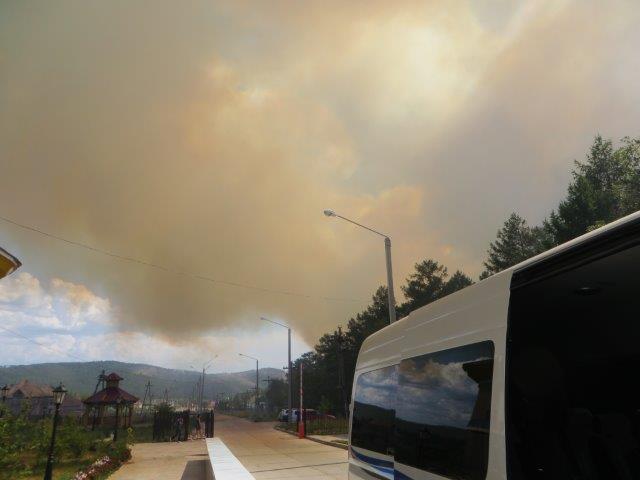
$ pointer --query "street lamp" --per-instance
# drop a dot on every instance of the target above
(8, 263)
(289, 376)
(5, 392)
(387, 248)
(58, 397)
(200, 393)
(257, 381)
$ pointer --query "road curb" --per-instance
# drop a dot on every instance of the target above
(317, 440)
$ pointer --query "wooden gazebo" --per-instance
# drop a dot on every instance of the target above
(112, 396)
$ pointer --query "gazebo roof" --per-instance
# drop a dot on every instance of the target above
(109, 396)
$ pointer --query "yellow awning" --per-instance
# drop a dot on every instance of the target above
(8, 263)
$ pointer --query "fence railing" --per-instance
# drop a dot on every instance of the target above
(321, 426)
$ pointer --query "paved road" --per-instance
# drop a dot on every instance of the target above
(270, 454)
(165, 461)
(265, 452)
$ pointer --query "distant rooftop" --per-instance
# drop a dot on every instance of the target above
(27, 389)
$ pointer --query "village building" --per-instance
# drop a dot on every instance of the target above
(39, 400)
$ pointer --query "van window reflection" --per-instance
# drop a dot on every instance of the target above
(374, 410)
(444, 407)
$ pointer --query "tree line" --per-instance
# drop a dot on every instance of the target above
(603, 188)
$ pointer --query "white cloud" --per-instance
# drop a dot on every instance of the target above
(26, 303)
(138, 347)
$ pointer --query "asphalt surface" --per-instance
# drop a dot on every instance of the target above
(165, 461)
(270, 454)
(267, 453)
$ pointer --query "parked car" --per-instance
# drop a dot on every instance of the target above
(312, 414)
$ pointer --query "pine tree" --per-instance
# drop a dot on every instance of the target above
(515, 242)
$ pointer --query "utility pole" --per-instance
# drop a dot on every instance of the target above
(202, 392)
(101, 379)
(257, 384)
(147, 397)
(301, 431)
(268, 382)
(257, 378)
(289, 375)
(289, 382)
(341, 380)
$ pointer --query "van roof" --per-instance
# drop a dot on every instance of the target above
(379, 345)
(605, 231)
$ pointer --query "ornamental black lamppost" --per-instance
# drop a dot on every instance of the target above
(58, 397)
(5, 392)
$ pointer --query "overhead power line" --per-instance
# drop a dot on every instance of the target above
(176, 271)
(42, 345)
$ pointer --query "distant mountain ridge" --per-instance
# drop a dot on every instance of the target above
(80, 378)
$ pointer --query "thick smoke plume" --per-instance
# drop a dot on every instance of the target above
(209, 137)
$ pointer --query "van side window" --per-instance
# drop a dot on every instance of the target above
(444, 408)
(374, 410)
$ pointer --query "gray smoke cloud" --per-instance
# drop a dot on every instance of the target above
(209, 136)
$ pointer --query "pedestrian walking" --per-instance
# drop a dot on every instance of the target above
(198, 427)
(178, 424)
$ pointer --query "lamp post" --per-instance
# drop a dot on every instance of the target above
(289, 376)
(199, 400)
(204, 368)
(257, 380)
(58, 397)
(5, 392)
(387, 249)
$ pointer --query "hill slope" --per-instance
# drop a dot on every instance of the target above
(81, 378)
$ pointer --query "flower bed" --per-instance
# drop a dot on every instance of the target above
(103, 466)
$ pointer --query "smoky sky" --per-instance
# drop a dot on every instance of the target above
(209, 136)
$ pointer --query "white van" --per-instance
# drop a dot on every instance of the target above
(533, 373)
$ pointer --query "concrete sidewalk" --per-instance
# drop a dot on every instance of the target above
(165, 461)
(264, 451)
(270, 454)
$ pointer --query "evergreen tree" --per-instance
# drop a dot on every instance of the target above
(603, 189)
(428, 283)
(515, 242)
(458, 281)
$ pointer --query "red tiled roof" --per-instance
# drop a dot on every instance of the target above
(30, 390)
(109, 395)
(113, 377)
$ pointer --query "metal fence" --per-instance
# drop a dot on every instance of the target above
(321, 426)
